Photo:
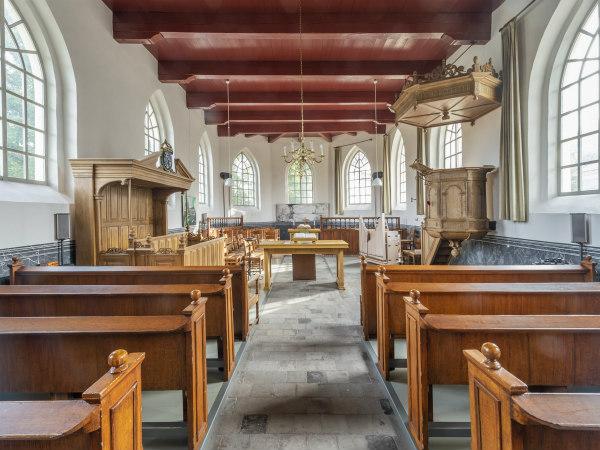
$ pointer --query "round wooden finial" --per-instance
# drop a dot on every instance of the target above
(117, 361)
(363, 259)
(415, 296)
(226, 272)
(492, 354)
(148, 238)
(587, 258)
(195, 295)
(15, 260)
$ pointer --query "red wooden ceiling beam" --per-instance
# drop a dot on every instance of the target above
(286, 127)
(183, 71)
(217, 117)
(145, 27)
(211, 99)
(273, 137)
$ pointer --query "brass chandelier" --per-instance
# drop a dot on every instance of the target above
(301, 153)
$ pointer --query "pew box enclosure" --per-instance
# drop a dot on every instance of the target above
(116, 197)
(455, 208)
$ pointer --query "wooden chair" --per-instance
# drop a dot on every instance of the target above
(542, 350)
(109, 415)
(506, 416)
(462, 274)
(272, 233)
(174, 346)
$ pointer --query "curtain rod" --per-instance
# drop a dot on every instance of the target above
(387, 133)
(520, 13)
(353, 143)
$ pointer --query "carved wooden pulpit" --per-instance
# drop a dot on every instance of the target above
(456, 209)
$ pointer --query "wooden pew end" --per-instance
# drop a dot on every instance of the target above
(492, 355)
(117, 361)
(119, 396)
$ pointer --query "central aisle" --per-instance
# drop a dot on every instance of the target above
(305, 381)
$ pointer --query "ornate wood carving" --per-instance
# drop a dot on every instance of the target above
(117, 197)
(455, 205)
(449, 94)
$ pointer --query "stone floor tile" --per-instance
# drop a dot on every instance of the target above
(381, 443)
(322, 442)
(254, 423)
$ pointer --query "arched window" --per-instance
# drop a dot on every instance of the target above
(23, 155)
(202, 177)
(244, 182)
(358, 180)
(453, 146)
(579, 117)
(152, 131)
(398, 174)
(300, 183)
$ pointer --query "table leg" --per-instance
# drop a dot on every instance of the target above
(340, 270)
(267, 270)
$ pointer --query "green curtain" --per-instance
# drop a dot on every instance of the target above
(513, 156)
(339, 189)
(387, 181)
(423, 157)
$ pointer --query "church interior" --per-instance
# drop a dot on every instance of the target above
(299, 224)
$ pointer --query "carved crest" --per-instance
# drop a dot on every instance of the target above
(451, 71)
(166, 159)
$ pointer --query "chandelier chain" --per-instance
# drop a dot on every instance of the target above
(375, 108)
(301, 75)
(301, 157)
(228, 124)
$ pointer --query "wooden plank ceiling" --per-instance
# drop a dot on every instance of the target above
(255, 43)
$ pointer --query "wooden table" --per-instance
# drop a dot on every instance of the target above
(271, 247)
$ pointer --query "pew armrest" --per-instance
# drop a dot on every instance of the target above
(46, 420)
(119, 395)
(574, 412)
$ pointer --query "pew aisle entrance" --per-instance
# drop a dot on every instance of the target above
(305, 380)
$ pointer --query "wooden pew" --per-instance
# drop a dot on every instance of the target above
(473, 298)
(128, 300)
(109, 415)
(64, 353)
(541, 350)
(506, 416)
(463, 274)
(21, 274)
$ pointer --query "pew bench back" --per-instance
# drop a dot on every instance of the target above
(585, 272)
(145, 275)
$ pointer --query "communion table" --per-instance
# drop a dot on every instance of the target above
(303, 257)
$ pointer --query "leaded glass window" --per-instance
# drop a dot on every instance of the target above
(23, 104)
(358, 180)
(152, 132)
(243, 182)
(579, 117)
(453, 146)
(300, 184)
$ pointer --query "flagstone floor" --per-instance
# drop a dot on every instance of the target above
(305, 380)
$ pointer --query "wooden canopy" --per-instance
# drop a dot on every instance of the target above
(449, 95)
(116, 197)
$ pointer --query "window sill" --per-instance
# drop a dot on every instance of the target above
(589, 203)
(363, 207)
(14, 192)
